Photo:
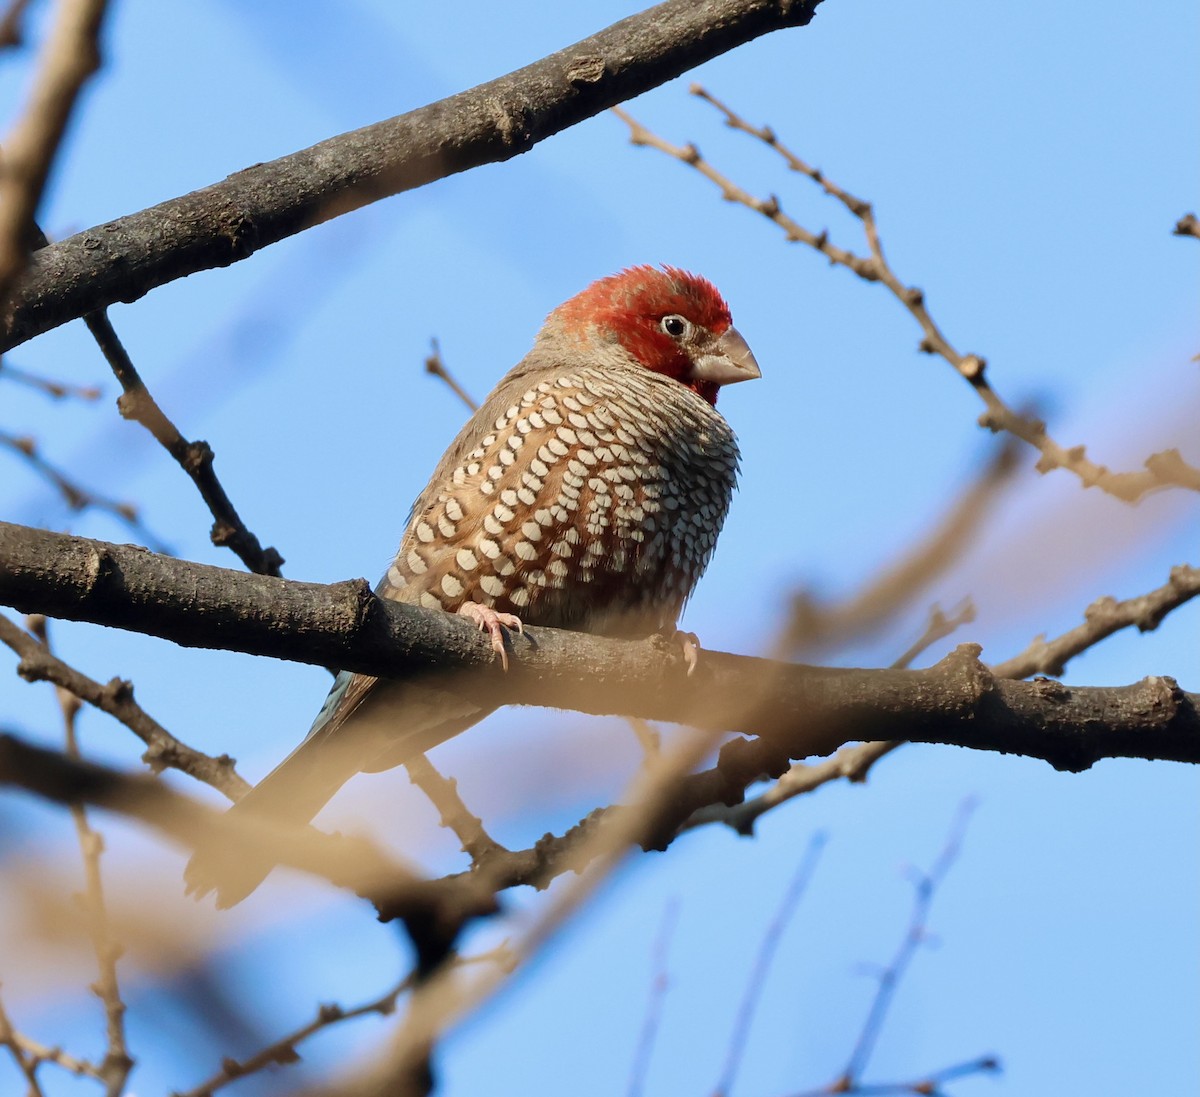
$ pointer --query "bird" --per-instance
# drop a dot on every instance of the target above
(586, 493)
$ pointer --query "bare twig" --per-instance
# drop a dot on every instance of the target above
(26, 1062)
(1161, 470)
(1101, 619)
(455, 815)
(195, 458)
(77, 497)
(659, 985)
(69, 56)
(762, 962)
(442, 1001)
(40, 1053)
(435, 365)
(117, 1063)
(852, 762)
(284, 1050)
(926, 886)
(57, 390)
(38, 663)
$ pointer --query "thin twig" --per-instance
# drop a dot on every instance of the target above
(762, 962)
(68, 57)
(41, 1053)
(659, 985)
(77, 497)
(852, 763)
(116, 698)
(195, 458)
(285, 1050)
(455, 815)
(57, 390)
(1101, 619)
(117, 1063)
(27, 1063)
(1161, 470)
(435, 365)
(926, 886)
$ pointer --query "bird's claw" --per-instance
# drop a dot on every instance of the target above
(495, 623)
(690, 643)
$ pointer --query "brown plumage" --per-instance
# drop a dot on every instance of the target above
(586, 493)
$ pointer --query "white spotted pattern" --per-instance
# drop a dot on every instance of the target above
(594, 501)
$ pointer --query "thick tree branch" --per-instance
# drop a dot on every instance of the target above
(797, 711)
(226, 222)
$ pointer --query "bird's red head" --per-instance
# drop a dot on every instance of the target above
(670, 321)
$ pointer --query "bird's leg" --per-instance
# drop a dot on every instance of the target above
(495, 623)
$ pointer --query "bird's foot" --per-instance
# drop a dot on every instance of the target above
(671, 640)
(495, 623)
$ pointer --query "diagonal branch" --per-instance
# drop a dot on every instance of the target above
(261, 205)
(1164, 469)
(70, 55)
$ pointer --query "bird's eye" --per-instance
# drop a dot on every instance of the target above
(675, 326)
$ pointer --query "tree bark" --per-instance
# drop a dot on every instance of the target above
(261, 205)
(796, 711)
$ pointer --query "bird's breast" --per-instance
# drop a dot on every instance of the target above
(592, 502)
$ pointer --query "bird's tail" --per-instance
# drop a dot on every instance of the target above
(390, 723)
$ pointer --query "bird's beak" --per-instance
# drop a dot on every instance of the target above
(726, 361)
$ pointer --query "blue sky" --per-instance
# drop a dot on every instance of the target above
(1026, 168)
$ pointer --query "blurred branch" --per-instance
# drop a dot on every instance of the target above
(38, 664)
(796, 710)
(925, 887)
(68, 57)
(77, 497)
(31, 1054)
(437, 367)
(26, 1060)
(659, 984)
(1161, 470)
(432, 911)
(57, 390)
(266, 203)
(1187, 225)
(851, 762)
(117, 1063)
(12, 33)
(811, 625)
(740, 1036)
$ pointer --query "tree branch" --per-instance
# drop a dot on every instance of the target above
(796, 710)
(69, 56)
(228, 221)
